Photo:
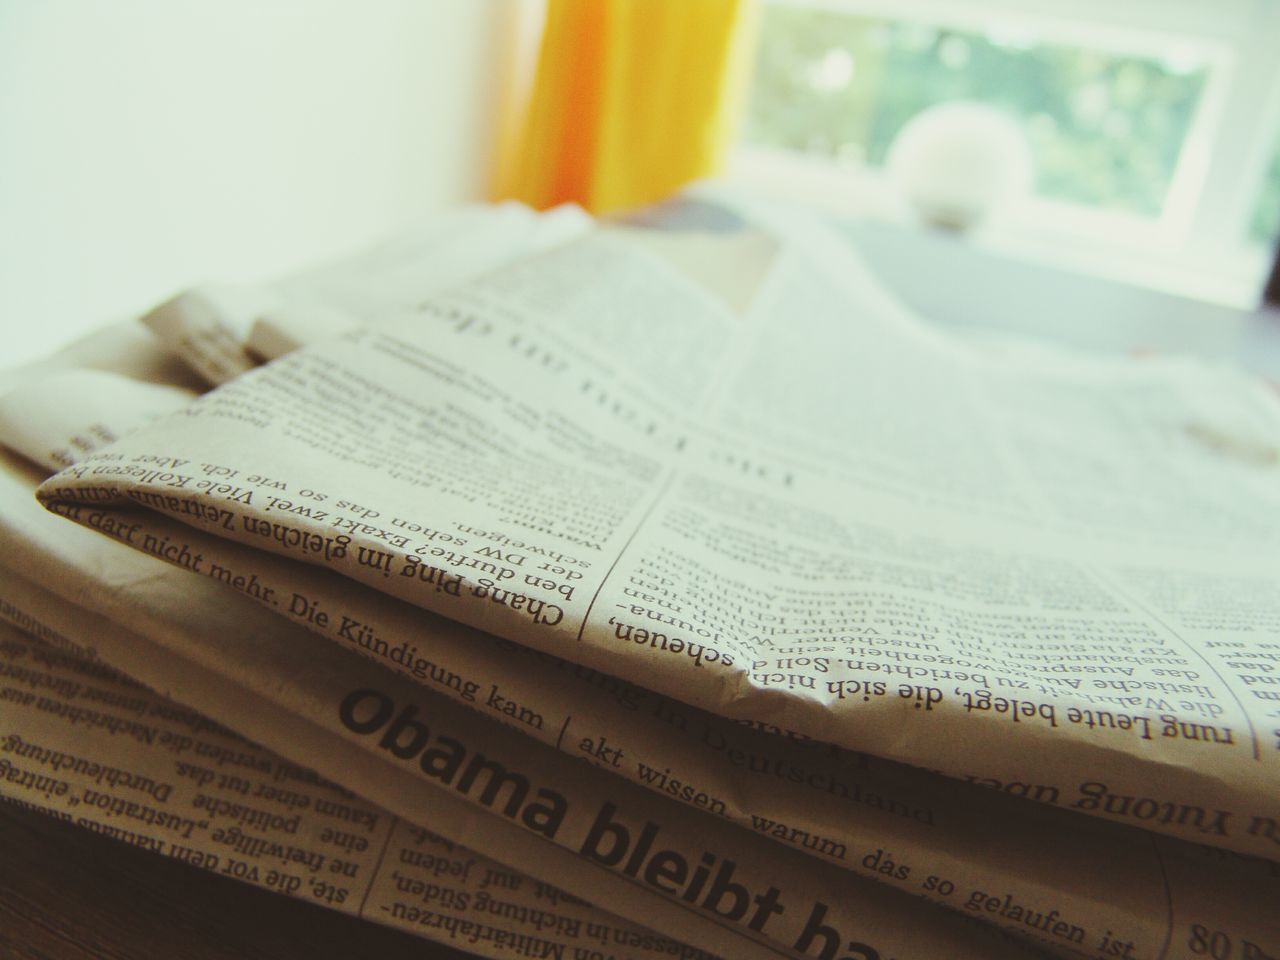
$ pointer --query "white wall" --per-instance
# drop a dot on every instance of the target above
(147, 145)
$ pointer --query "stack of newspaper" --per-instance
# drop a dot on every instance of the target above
(558, 583)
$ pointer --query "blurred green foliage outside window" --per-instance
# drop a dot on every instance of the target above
(1105, 129)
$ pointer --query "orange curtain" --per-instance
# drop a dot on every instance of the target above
(631, 100)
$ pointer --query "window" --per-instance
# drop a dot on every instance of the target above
(1151, 125)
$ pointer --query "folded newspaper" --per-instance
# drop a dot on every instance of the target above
(686, 572)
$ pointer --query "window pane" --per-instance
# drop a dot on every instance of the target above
(1264, 227)
(1105, 129)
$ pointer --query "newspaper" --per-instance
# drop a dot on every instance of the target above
(272, 690)
(267, 818)
(506, 801)
(685, 746)
(217, 329)
(87, 746)
(83, 743)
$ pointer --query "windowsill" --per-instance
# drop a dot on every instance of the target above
(1119, 248)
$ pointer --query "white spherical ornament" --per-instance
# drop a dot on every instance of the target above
(957, 162)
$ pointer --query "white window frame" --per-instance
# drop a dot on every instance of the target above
(1199, 244)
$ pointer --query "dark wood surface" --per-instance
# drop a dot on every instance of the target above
(68, 894)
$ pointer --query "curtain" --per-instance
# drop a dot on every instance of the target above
(631, 100)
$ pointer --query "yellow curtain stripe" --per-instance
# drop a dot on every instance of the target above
(631, 100)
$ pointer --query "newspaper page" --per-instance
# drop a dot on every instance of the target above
(87, 746)
(481, 785)
(216, 329)
(1056, 878)
(302, 715)
(817, 515)
(54, 411)
(944, 841)
(972, 839)
(62, 692)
